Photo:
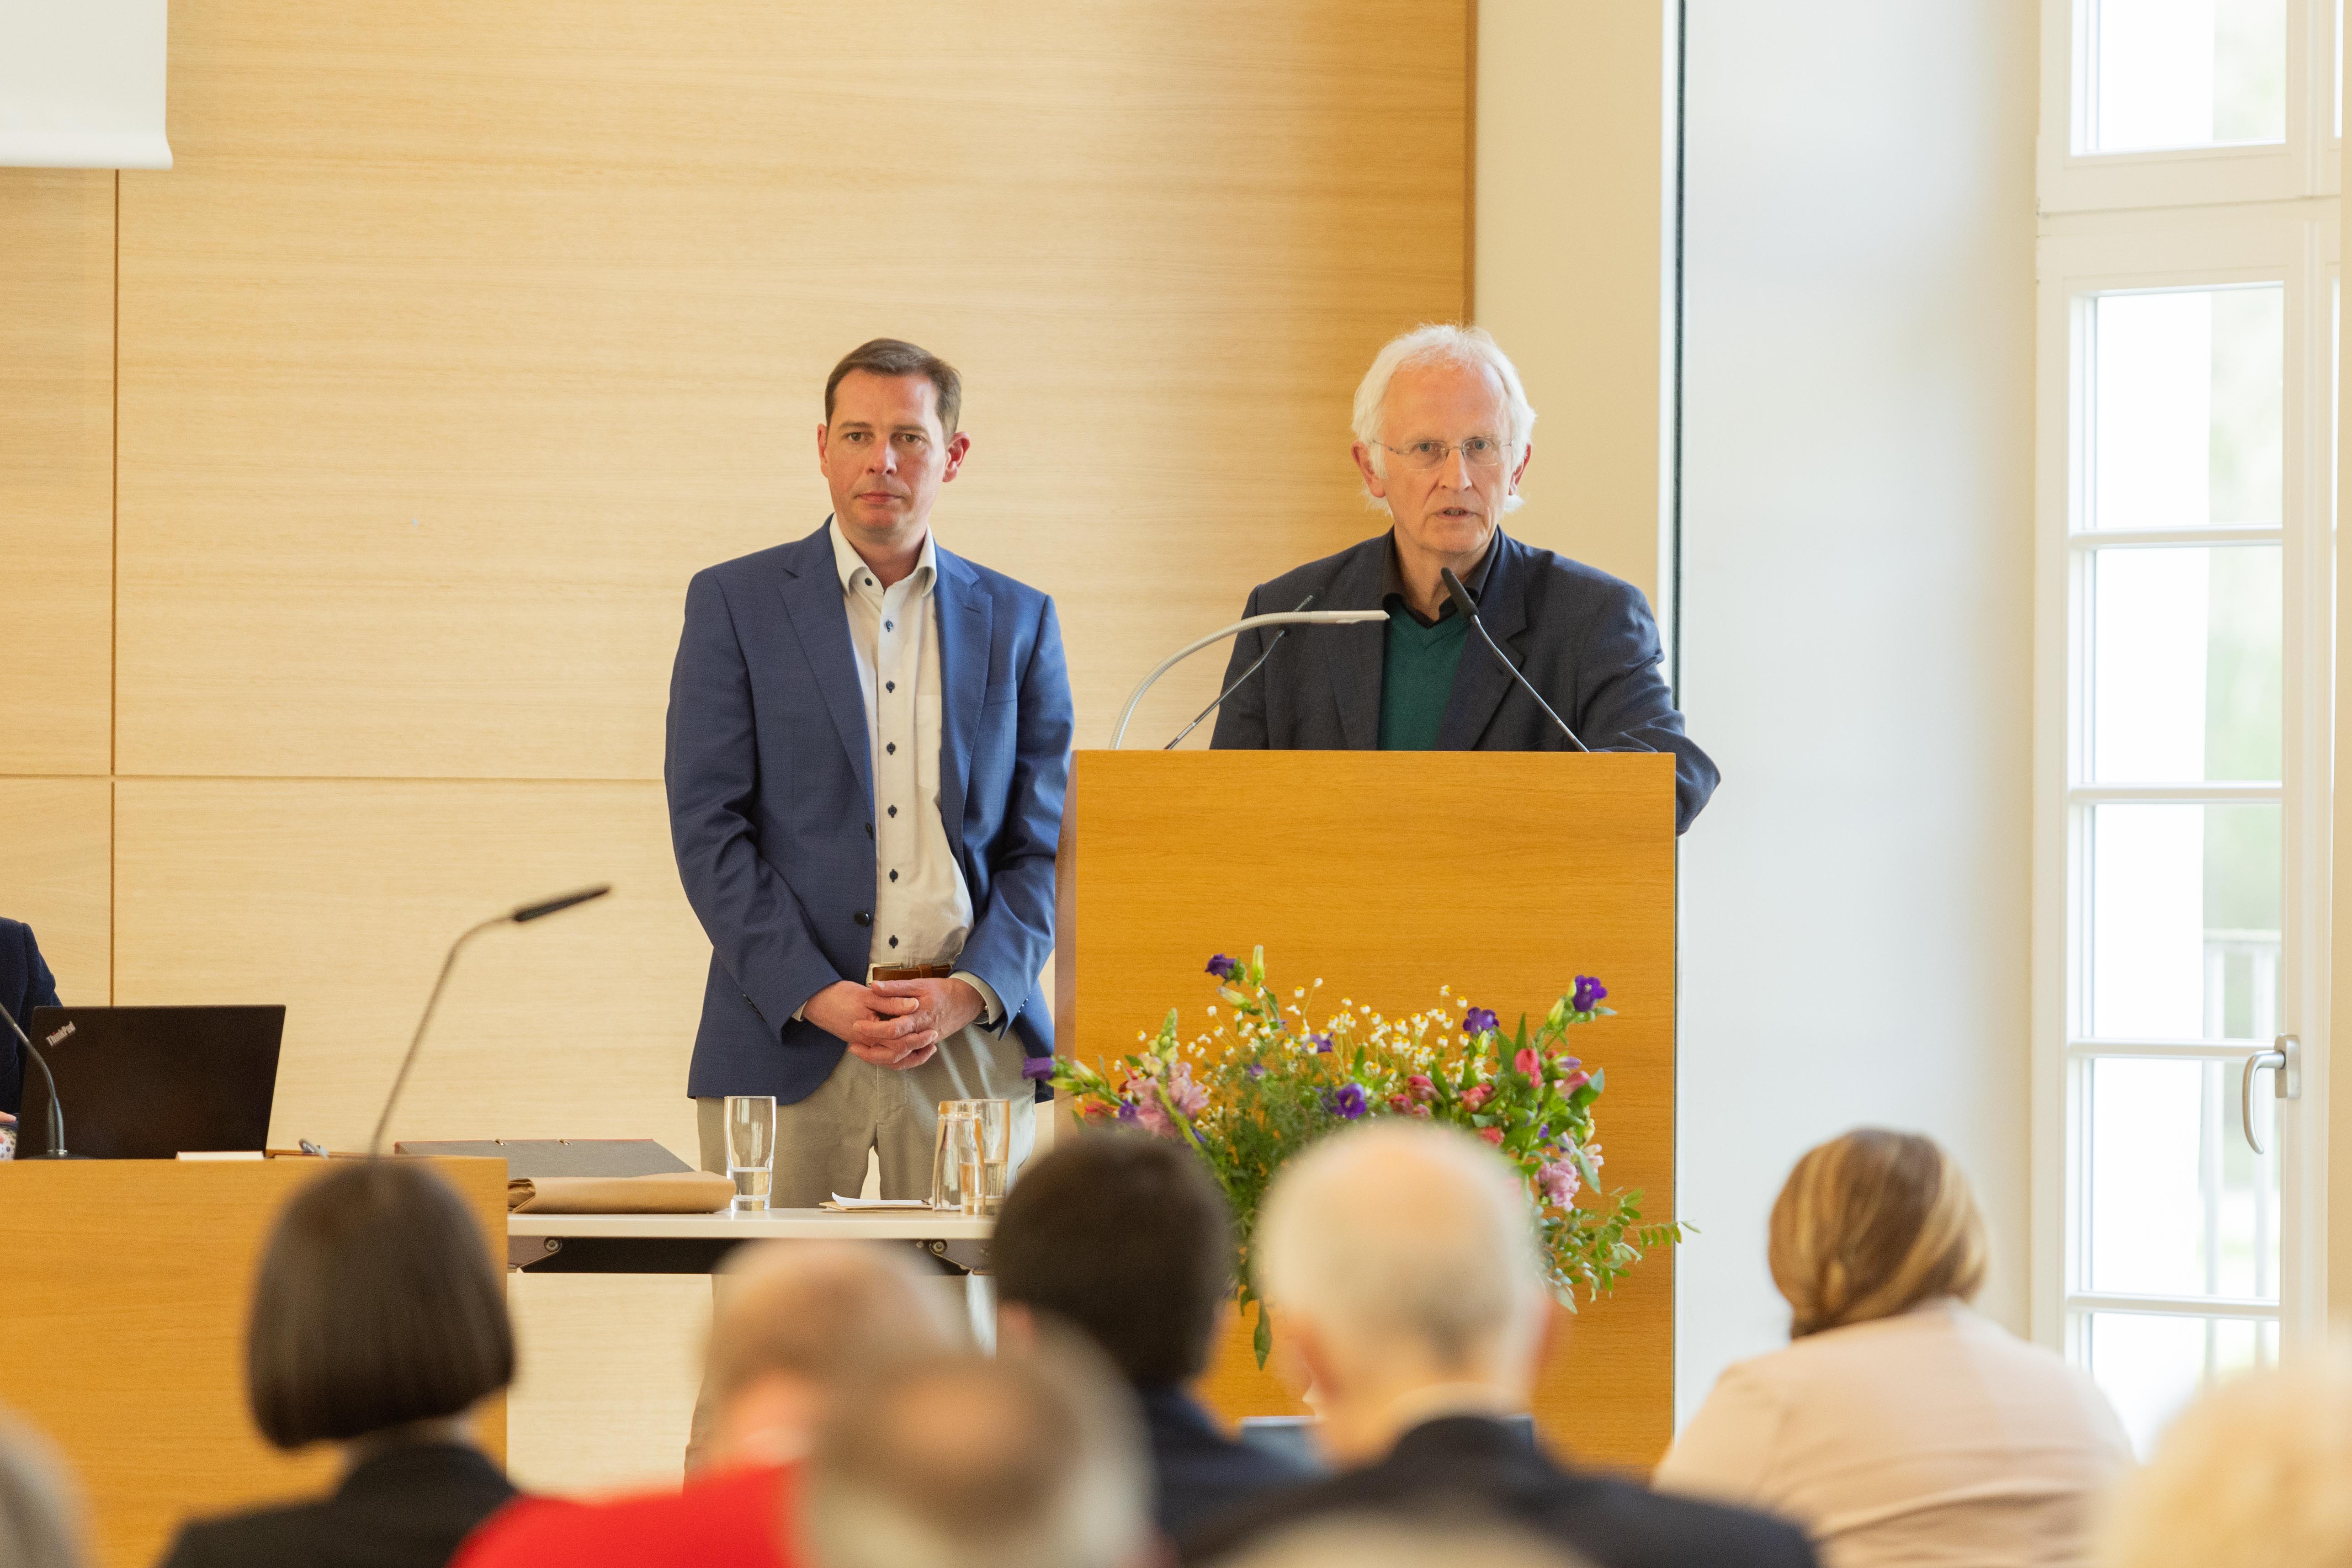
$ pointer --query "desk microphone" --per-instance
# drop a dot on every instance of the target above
(57, 1112)
(521, 915)
(1469, 608)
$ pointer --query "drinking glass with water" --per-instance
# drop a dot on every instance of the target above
(751, 1149)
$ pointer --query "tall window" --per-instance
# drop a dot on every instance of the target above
(2188, 266)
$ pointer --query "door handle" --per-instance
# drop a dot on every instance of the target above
(2285, 1059)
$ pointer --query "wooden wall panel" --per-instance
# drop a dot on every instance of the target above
(338, 898)
(459, 337)
(57, 469)
(56, 841)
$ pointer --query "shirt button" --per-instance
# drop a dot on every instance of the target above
(894, 810)
(863, 916)
(889, 626)
(890, 686)
(894, 876)
(894, 941)
(892, 748)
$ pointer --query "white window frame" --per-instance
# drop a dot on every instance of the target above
(2181, 219)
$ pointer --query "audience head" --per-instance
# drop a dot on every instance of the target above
(1125, 1237)
(1441, 386)
(1028, 1459)
(797, 1318)
(1469, 1542)
(377, 1308)
(1395, 1256)
(2254, 1474)
(1871, 1225)
(38, 1515)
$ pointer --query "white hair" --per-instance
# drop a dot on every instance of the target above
(1441, 342)
(2252, 1475)
(1405, 1233)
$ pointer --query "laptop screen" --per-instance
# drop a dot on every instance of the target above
(148, 1083)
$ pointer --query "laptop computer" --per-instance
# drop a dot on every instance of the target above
(147, 1083)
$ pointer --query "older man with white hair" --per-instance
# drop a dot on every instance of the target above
(1443, 436)
(1400, 1261)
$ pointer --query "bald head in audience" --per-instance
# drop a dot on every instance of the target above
(2256, 1473)
(794, 1319)
(1032, 1459)
(1469, 1542)
(1401, 1259)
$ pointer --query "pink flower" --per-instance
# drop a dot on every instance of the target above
(1095, 1111)
(1184, 1094)
(1575, 1082)
(1419, 1087)
(1527, 1062)
(1476, 1095)
(1420, 1110)
(1399, 1104)
(1493, 1135)
(1557, 1182)
(1153, 1116)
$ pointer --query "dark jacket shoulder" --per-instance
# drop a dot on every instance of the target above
(1461, 1467)
(1199, 1474)
(408, 1508)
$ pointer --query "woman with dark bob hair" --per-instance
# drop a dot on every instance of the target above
(1899, 1426)
(379, 1323)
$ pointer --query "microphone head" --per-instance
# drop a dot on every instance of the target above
(1458, 593)
(560, 902)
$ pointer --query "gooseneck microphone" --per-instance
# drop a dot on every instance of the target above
(520, 915)
(1281, 618)
(1255, 665)
(57, 1112)
(1469, 611)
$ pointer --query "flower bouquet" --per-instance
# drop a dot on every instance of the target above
(1250, 1093)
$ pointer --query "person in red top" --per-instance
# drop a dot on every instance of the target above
(797, 1322)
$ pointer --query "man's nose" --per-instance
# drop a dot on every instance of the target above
(1455, 470)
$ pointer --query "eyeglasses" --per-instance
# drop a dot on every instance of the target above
(1478, 451)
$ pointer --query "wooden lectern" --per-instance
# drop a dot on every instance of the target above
(1388, 874)
(124, 1309)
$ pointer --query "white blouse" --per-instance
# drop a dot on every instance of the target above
(1934, 1439)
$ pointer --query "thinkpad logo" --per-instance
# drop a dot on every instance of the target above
(59, 1038)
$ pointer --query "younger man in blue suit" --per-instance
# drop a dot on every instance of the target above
(869, 739)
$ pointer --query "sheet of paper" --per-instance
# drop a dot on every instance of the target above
(849, 1206)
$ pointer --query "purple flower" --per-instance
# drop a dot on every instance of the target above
(1588, 992)
(1127, 1114)
(1346, 1102)
(1322, 1044)
(1557, 1183)
(1223, 967)
(1479, 1021)
(1255, 1069)
(1036, 1068)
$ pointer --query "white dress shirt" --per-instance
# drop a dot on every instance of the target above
(922, 907)
(1932, 1440)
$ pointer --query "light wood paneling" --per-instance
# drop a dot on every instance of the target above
(457, 338)
(129, 1285)
(57, 469)
(339, 898)
(610, 1364)
(56, 842)
(1387, 875)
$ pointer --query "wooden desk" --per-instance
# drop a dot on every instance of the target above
(125, 1311)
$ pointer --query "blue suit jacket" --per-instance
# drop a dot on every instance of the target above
(771, 800)
(1584, 639)
(25, 984)
(1201, 1475)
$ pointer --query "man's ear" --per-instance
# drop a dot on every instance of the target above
(1372, 480)
(1016, 1326)
(958, 448)
(1304, 1362)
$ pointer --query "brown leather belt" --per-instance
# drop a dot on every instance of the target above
(913, 970)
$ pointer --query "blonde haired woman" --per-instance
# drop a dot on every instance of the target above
(1899, 1426)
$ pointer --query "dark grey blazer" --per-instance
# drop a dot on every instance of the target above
(1584, 639)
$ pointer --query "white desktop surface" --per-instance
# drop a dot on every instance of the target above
(783, 1225)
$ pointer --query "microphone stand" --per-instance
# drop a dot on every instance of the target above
(1469, 608)
(57, 1118)
(1255, 665)
(1280, 618)
(524, 915)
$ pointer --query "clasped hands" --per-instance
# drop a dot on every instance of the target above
(893, 1023)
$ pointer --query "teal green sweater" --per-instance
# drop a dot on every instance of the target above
(1417, 679)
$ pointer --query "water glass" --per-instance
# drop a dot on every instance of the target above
(751, 1149)
(971, 1154)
